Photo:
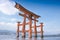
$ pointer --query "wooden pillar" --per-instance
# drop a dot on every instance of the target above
(18, 29)
(30, 26)
(41, 25)
(23, 29)
(35, 29)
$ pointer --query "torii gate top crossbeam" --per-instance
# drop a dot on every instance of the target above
(21, 8)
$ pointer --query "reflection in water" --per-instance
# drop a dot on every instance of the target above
(23, 38)
(35, 38)
(17, 38)
(42, 39)
(29, 38)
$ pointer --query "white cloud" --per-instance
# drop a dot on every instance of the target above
(8, 19)
(13, 19)
(8, 26)
(7, 7)
(2, 23)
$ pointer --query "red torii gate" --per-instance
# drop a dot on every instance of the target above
(30, 16)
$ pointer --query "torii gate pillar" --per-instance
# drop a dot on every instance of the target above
(18, 29)
(35, 28)
(30, 26)
(41, 25)
(23, 29)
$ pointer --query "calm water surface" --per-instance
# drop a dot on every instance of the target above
(13, 37)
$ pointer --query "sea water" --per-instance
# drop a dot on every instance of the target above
(13, 37)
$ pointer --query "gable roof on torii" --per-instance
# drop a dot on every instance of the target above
(22, 9)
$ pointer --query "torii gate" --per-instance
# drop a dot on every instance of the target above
(30, 16)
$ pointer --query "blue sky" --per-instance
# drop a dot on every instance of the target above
(48, 10)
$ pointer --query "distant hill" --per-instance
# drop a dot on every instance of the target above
(57, 35)
(6, 32)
